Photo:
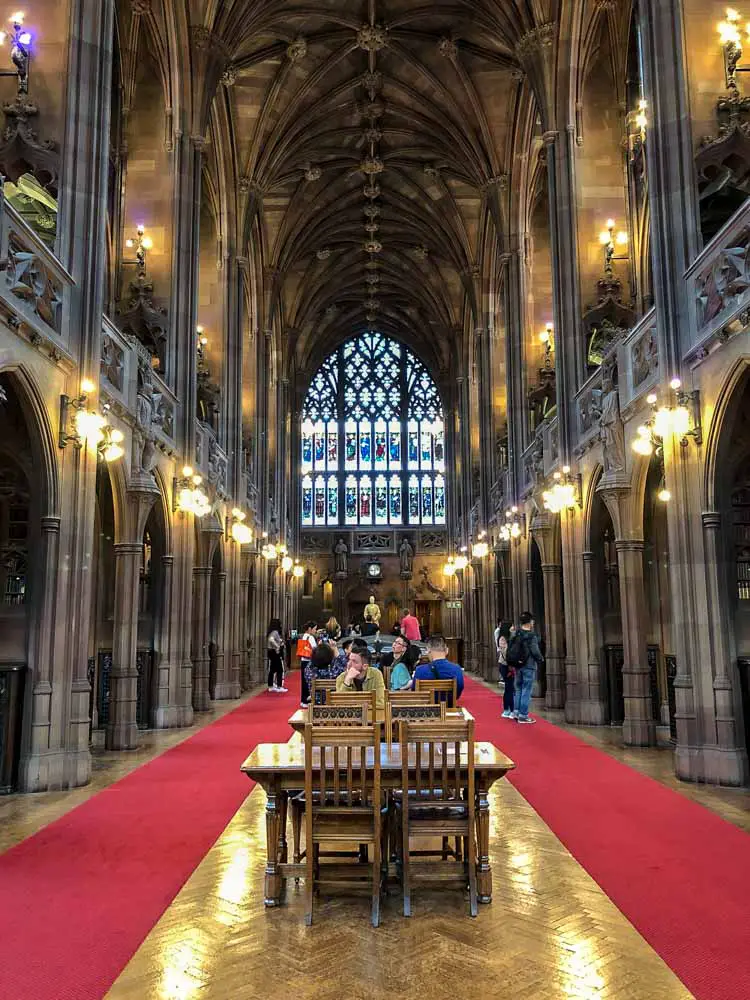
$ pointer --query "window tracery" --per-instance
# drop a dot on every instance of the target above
(373, 440)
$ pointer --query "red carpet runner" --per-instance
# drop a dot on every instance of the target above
(678, 872)
(78, 898)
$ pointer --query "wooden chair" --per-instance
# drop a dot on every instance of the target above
(442, 803)
(410, 697)
(441, 690)
(344, 801)
(321, 688)
(397, 712)
(367, 698)
(386, 672)
(321, 715)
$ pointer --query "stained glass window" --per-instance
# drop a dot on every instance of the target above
(372, 441)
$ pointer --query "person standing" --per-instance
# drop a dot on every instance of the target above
(306, 645)
(275, 652)
(410, 626)
(523, 656)
(507, 674)
(333, 629)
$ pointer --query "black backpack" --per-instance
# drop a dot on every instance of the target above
(517, 653)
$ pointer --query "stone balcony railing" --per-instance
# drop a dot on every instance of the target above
(33, 285)
(638, 363)
(718, 289)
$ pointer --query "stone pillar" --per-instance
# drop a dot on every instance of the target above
(122, 732)
(730, 763)
(639, 727)
(161, 718)
(174, 701)
(223, 687)
(243, 622)
(592, 710)
(201, 609)
(554, 635)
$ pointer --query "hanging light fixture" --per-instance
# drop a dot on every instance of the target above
(563, 494)
(512, 528)
(239, 531)
(287, 563)
(449, 568)
(480, 548)
(189, 497)
(298, 571)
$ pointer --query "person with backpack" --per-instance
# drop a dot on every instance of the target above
(503, 635)
(305, 646)
(523, 656)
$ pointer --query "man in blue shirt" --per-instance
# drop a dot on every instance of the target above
(440, 667)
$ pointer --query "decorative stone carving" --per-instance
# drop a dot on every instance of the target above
(146, 415)
(372, 82)
(315, 542)
(140, 7)
(297, 49)
(229, 76)
(341, 553)
(21, 152)
(644, 357)
(611, 430)
(217, 466)
(373, 541)
(313, 173)
(372, 278)
(371, 190)
(372, 305)
(372, 37)
(406, 558)
(32, 281)
(433, 541)
(534, 462)
(447, 48)
(373, 109)
(589, 410)
(323, 254)
(372, 246)
(420, 253)
(208, 396)
(144, 320)
(112, 362)
(725, 282)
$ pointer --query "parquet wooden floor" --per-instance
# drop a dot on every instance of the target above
(549, 933)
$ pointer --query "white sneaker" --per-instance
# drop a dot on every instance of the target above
(526, 720)
(514, 715)
(282, 690)
(273, 688)
(507, 714)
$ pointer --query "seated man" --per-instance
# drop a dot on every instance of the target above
(361, 675)
(401, 660)
(440, 667)
(369, 628)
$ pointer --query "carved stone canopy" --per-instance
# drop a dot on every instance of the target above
(21, 152)
(723, 166)
(144, 320)
(604, 324)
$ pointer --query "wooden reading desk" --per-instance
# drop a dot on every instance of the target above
(280, 769)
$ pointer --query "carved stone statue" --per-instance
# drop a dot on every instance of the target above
(406, 557)
(342, 553)
(611, 431)
(146, 413)
(372, 610)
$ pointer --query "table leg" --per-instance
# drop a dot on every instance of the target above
(283, 799)
(272, 895)
(484, 870)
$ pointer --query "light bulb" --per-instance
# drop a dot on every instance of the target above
(87, 386)
(651, 398)
(298, 571)
(197, 480)
(604, 238)
(287, 563)
(680, 421)
(610, 223)
(25, 38)
(642, 446)
(129, 244)
(238, 514)
(112, 452)
(664, 495)
(622, 238)
(461, 562)
(147, 243)
(17, 18)
(544, 336)
(187, 471)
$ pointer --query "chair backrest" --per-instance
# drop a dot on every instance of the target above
(398, 712)
(443, 690)
(434, 753)
(338, 715)
(410, 697)
(336, 766)
(386, 671)
(321, 687)
(366, 698)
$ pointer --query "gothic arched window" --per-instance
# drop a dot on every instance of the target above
(373, 441)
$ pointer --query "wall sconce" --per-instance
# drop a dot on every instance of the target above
(86, 424)
(641, 117)
(461, 562)
(563, 494)
(269, 551)
(547, 338)
(287, 563)
(515, 525)
(142, 244)
(682, 420)
(449, 568)
(730, 38)
(610, 240)
(20, 51)
(480, 548)
(201, 342)
(238, 529)
(189, 498)
(298, 571)
(110, 445)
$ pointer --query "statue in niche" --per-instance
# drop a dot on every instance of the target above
(372, 610)
(611, 430)
(146, 414)
(406, 557)
(342, 552)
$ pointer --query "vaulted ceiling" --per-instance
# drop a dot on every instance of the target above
(366, 135)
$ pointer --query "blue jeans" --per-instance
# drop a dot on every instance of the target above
(525, 677)
(508, 693)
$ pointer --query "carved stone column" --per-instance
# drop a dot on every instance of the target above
(554, 635)
(174, 702)
(122, 731)
(201, 610)
(730, 765)
(591, 707)
(243, 622)
(160, 713)
(639, 726)
(223, 687)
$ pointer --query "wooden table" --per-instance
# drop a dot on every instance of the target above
(280, 769)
